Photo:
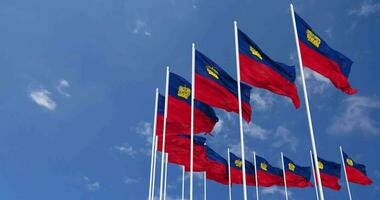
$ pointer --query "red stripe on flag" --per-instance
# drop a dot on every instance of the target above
(356, 176)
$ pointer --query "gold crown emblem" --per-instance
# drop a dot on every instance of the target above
(238, 163)
(255, 52)
(184, 92)
(312, 38)
(350, 161)
(291, 167)
(212, 71)
(320, 165)
(264, 166)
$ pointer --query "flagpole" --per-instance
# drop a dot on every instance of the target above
(192, 118)
(183, 182)
(284, 174)
(314, 148)
(240, 110)
(153, 144)
(315, 179)
(345, 173)
(154, 167)
(166, 174)
(256, 178)
(229, 175)
(204, 186)
(164, 131)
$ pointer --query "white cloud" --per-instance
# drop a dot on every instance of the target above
(91, 185)
(41, 97)
(141, 27)
(275, 190)
(282, 137)
(60, 87)
(366, 8)
(315, 82)
(130, 180)
(126, 149)
(255, 131)
(218, 126)
(262, 101)
(145, 129)
(356, 115)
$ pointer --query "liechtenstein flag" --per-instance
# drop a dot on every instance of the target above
(237, 171)
(318, 56)
(217, 88)
(330, 173)
(179, 109)
(356, 173)
(296, 176)
(257, 69)
(267, 175)
(216, 167)
(160, 114)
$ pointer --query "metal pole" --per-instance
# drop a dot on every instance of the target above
(315, 178)
(229, 175)
(192, 119)
(166, 174)
(183, 182)
(154, 167)
(204, 186)
(256, 177)
(345, 173)
(153, 144)
(314, 147)
(240, 110)
(284, 174)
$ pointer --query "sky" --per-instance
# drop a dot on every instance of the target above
(78, 78)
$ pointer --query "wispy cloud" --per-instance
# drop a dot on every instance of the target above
(218, 127)
(130, 180)
(356, 115)
(275, 190)
(61, 86)
(91, 185)
(262, 100)
(282, 137)
(365, 9)
(316, 83)
(145, 129)
(126, 149)
(255, 131)
(140, 27)
(42, 98)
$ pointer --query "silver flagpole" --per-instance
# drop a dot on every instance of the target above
(345, 173)
(313, 145)
(204, 186)
(256, 177)
(283, 172)
(166, 174)
(183, 182)
(240, 110)
(164, 132)
(229, 175)
(192, 118)
(315, 178)
(154, 167)
(153, 144)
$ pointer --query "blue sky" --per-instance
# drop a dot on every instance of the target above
(78, 79)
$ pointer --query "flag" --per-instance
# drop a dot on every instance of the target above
(216, 167)
(217, 88)
(160, 114)
(178, 149)
(296, 176)
(330, 173)
(179, 110)
(237, 171)
(356, 173)
(257, 69)
(267, 175)
(320, 57)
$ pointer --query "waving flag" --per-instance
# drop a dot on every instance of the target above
(330, 173)
(179, 110)
(296, 176)
(217, 88)
(320, 57)
(160, 114)
(237, 171)
(356, 173)
(257, 69)
(178, 148)
(216, 167)
(267, 175)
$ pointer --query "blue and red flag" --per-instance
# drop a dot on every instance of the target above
(179, 110)
(160, 114)
(216, 167)
(178, 149)
(330, 173)
(296, 176)
(267, 175)
(237, 171)
(257, 69)
(320, 57)
(356, 173)
(217, 88)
